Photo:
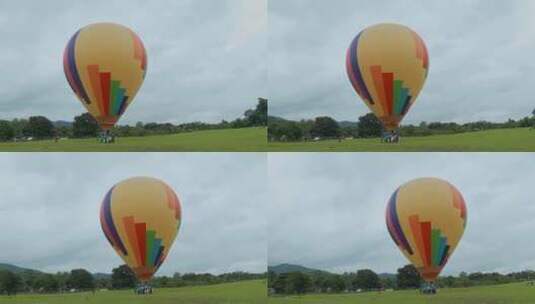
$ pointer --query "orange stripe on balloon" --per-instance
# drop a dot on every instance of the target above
(379, 85)
(414, 222)
(458, 202)
(139, 51)
(94, 78)
(129, 227)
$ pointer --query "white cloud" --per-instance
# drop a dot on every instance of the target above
(50, 204)
(480, 56)
(192, 75)
(328, 208)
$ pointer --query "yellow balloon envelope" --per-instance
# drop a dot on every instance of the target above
(426, 219)
(105, 65)
(140, 218)
(387, 65)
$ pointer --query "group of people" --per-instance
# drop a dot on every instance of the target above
(106, 138)
(143, 290)
(390, 137)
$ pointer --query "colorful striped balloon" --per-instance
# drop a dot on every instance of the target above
(426, 218)
(387, 65)
(105, 65)
(140, 218)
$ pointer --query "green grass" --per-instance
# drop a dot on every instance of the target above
(228, 140)
(518, 293)
(233, 293)
(501, 140)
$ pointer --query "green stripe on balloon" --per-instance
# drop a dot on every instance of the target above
(435, 235)
(155, 249)
(151, 235)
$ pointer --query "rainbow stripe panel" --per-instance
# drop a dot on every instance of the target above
(105, 65)
(387, 65)
(140, 218)
(426, 219)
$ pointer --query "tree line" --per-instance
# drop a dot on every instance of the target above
(369, 126)
(407, 277)
(122, 277)
(84, 126)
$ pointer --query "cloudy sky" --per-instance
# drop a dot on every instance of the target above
(327, 210)
(480, 54)
(206, 58)
(49, 210)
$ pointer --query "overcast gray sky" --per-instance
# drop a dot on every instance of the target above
(206, 59)
(327, 210)
(49, 209)
(480, 52)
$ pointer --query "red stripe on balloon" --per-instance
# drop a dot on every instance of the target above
(426, 235)
(105, 82)
(388, 83)
(141, 229)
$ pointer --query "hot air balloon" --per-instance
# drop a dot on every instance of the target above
(105, 65)
(141, 217)
(387, 65)
(426, 218)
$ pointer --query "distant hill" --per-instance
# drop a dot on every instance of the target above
(386, 275)
(62, 123)
(348, 124)
(100, 275)
(285, 268)
(16, 269)
(342, 124)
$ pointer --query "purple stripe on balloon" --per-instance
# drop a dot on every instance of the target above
(159, 259)
(354, 62)
(396, 225)
(74, 70)
(109, 222)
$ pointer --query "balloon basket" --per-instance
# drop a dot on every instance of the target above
(143, 290)
(390, 137)
(428, 289)
(106, 137)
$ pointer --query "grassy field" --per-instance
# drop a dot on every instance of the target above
(501, 294)
(231, 140)
(501, 140)
(247, 292)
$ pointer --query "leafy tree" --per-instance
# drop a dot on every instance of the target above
(257, 116)
(47, 283)
(6, 131)
(9, 283)
(19, 125)
(366, 279)
(298, 282)
(280, 283)
(85, 126)
(325, 127)
(81, 279)
(369, 126)
(39, 127)
(123, 277)
(272, 276)
(408, 277)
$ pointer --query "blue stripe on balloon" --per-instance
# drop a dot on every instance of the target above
(154, 251)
